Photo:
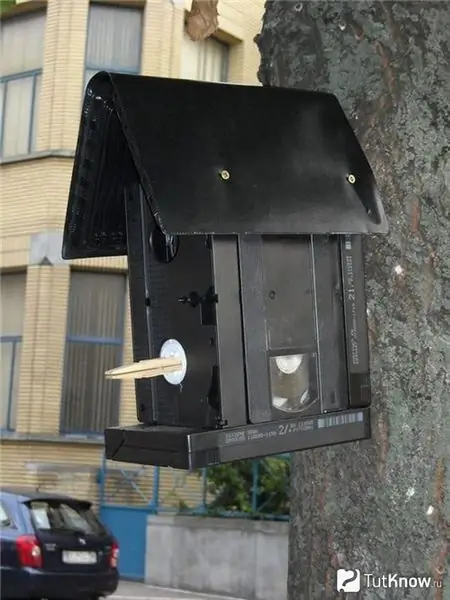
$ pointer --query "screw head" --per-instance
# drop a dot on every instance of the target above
(225, 175)
(351, 178)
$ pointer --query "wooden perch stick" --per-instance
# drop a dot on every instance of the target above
(145, 368)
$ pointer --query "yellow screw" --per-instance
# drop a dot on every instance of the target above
(225, 175)
(351, 178)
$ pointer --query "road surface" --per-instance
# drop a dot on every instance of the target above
(138, 591)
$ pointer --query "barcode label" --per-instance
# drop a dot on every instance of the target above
(336, 420)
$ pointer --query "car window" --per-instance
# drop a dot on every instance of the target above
(40, 516)
(5, 519)
(54, 515)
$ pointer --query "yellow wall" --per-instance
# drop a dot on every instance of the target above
(33, 196)
(73, 468)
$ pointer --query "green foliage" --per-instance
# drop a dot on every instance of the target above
(5, 5)
(231, 487)
(274, 486)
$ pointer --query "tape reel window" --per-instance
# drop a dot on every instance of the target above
(293, 381)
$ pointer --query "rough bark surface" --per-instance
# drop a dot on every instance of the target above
(383, 505)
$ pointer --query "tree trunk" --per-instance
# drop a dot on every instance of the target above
(382, 505)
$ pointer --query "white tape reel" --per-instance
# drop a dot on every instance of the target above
(173, 349)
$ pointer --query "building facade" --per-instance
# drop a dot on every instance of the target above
(62, 324)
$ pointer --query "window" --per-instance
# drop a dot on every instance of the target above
(206, 60)
(5, 519)
(12, 304)
(50, 515)
(22, 44)
(113, 40)
(94, 343)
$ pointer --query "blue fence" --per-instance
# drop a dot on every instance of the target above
(247, 489)
(257, 489)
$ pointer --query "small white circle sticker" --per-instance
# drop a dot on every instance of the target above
(173, 349)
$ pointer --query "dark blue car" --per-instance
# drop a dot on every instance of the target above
(54, 546)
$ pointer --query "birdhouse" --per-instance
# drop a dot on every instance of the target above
(242, 211)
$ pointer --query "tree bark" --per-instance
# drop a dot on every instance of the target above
(382, 505)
